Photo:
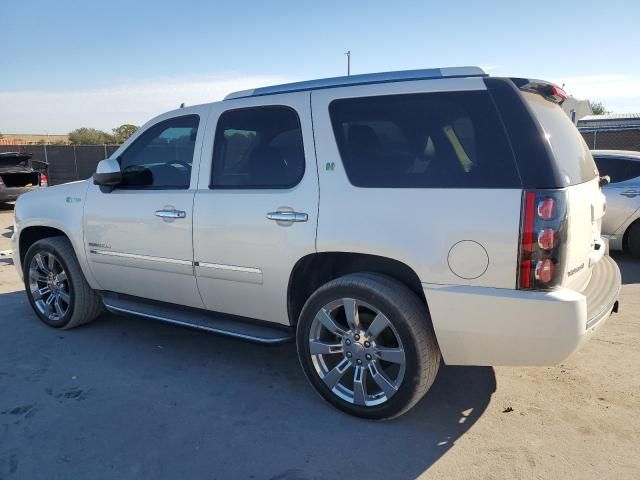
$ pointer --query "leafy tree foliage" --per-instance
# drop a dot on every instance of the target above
(598, 108)
(90, 136)
(123, 132)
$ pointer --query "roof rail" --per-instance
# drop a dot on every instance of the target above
(363, 79)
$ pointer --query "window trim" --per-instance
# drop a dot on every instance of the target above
(138, 137)
(256, 187)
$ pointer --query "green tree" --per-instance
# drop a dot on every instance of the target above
(89, 136)
(598, 108)
(123, 132)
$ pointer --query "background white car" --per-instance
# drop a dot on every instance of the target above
(621, 224)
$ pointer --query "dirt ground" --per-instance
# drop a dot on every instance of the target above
(129, 398)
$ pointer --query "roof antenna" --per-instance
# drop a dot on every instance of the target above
(182, 105)
(348, 54)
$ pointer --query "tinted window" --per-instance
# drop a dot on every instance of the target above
(423, 140)
(618, 169)
(162, 156)
(258, 148)
(571, 153)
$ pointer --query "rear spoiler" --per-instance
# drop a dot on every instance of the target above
(548, 90)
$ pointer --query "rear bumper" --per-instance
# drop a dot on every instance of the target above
(9, 194)
(490, 326)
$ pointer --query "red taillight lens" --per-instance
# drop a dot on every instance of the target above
(547, 238)
(558, 94)
(545, 270)
(542, 238)
(547, 208)
(44, 181)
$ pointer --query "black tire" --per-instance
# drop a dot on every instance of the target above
(409, 317)
(85, 304)
(633, 239)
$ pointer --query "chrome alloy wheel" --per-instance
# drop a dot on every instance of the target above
(49, 286)
(357, 352)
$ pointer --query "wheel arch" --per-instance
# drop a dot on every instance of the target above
(316, 269)
(625, 236)
(30, 235)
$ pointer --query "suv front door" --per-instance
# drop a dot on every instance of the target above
(256, 205)
(138, 237)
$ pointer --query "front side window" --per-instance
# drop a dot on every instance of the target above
(162, 156)
(258, 147)
(427, 140)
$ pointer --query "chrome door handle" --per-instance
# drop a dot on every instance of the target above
(171, 213)
(288, 216)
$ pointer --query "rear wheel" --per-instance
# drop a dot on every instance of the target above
(55, 285)
(366, 344)
(633, 239)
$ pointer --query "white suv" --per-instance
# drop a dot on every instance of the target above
(381, 220)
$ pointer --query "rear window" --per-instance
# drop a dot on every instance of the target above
(572, 156)
(437, 140)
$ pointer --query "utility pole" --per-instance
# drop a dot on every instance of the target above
(348, 54)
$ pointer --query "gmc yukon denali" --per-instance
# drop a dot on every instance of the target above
(384, 221)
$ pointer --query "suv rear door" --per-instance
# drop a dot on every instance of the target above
(256, 207)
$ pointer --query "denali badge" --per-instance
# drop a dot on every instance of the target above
(99, 245)
(575, 270)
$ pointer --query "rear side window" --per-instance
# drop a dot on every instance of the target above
(258, 147)
(437, 140)
(162, 156)
(571, 154)
(618, 169)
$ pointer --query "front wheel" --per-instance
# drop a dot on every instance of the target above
(55, 284)
(366, 344)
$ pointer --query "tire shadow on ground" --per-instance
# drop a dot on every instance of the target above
(137, 398)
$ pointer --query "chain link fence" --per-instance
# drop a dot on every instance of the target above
(612, 138)
(67, 163)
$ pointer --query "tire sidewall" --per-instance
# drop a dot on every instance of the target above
(44, 246)
(397, 403)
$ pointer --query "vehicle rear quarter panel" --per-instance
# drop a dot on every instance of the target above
(415, 226)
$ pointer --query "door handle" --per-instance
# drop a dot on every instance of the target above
(171, 213)
(288, 216)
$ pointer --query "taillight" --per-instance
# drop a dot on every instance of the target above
(44, 181)
(542, 239)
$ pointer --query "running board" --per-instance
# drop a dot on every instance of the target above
(213, 322)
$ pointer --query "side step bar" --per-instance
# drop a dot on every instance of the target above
(213, 322)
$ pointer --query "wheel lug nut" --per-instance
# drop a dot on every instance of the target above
(367, 344)
(368, 356)
(349, 354)
(348, 342)
(357, 337)
(359, 362)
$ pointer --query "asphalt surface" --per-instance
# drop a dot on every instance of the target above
(130, 398)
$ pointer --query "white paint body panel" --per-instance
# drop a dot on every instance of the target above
(231, 228)
(156, 254)
(491, 326)
(415, 226)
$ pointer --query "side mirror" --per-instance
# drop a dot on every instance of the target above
(604, 181)
(108, 174)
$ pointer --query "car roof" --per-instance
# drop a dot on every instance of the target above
(363, 79)
(631, 154)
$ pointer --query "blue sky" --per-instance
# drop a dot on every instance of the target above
(69, 64)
